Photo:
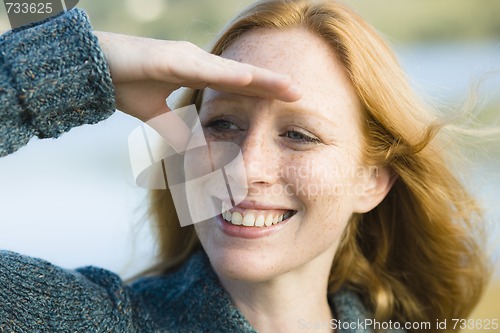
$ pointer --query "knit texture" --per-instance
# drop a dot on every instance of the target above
(53, 76)
(36, 296)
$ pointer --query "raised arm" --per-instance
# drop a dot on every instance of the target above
(53, 76)
(146, 71)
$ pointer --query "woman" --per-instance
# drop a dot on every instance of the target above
(405, 240)
(352, 219)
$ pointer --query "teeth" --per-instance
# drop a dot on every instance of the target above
(249, 220)
(259, 222)
(236, 218)
(269, 221)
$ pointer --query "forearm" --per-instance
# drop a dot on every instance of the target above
(53, 77)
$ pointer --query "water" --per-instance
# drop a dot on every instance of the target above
(447, 72)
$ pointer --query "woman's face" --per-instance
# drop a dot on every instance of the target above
(302, 161)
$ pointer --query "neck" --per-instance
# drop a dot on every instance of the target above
(292, 302)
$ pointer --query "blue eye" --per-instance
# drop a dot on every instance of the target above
(300, 137)
(221, 125)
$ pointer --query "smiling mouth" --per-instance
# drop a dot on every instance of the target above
(257, 218)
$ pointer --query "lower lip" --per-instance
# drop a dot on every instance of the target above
(249, 232)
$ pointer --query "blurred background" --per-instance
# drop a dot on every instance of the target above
(73, 201)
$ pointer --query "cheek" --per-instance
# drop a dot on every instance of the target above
(201, 230)
(325, 185)
(320, 177)
(208, 238)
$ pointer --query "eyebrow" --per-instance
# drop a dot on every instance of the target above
(232, 99)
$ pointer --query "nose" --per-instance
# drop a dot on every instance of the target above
(261, 158)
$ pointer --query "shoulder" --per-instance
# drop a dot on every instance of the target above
(352, 316)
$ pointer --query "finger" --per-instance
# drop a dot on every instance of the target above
(173, 129)
(262, 83)
(143, 99)
(267, 84)
(198, 68)
(289, 95)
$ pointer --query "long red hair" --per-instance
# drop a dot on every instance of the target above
(415, 257)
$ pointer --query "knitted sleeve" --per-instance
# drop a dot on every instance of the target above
(53, 76)
(36, 296)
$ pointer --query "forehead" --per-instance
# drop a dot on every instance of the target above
(278, 49)
(308, 60)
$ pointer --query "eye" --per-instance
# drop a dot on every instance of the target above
(221, 125)
(300, 137)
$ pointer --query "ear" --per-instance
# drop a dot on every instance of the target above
(376, 184)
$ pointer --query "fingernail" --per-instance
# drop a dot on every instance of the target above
(295, 90)
(285, 78)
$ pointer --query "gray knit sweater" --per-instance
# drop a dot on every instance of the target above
(53, 76)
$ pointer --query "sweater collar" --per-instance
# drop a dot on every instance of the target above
(218, 311)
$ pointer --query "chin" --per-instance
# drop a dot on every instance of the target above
(253, 260)
(244, 264)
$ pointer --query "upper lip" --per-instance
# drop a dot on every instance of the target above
(251, 204)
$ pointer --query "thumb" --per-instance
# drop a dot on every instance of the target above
(173, 129)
